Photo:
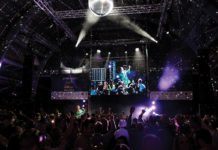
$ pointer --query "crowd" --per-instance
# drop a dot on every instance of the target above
(78, 130)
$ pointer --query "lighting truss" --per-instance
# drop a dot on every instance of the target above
(122, 10)
(113, 42)
(4, 78)
(11, 62)
(45, 6)
(40, 39)
(163, 17)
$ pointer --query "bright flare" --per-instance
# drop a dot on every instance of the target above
(90, 21)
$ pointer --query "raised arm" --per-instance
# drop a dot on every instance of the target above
(121, 68)
(129, 68)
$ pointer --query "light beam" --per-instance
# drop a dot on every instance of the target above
(126, 22)
(90, 21)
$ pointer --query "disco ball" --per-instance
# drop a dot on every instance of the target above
(101, 8)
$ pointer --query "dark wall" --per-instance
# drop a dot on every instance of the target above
(203, 93)
(27, 77)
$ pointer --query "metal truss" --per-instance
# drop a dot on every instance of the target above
(163, 17)
(113, 42)
(3, 78)
(123, 10)
(40, 39)
(45, 6)
(11, 62)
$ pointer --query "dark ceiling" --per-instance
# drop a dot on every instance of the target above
(28, 30)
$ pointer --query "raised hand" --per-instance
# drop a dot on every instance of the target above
(132, 109)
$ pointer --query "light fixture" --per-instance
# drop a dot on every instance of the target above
(153, 107)
(109, 53)
(137, 49)
(101, 8)
(99, 51)
(126, 52)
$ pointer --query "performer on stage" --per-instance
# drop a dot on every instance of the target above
(124, 75)
(141, 87)
(105, 88)
(132, 87)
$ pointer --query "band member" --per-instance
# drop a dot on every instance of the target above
(120, 88)
(93, 91)
(100, 88)
(132, 87)
(141, 87)
(105, 88)
(132, 84)
(112, 88)
(124, 75)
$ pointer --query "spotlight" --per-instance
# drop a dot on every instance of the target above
(126, 52)
(0, 64)
(83, 106)
(167, 32)
(87, 54)
(117, 76)
(153, 103)
(156, 114)
(109, 66)
(137, 49)
(109, 53)
(84, 101)
(98, 51)
(153, 107)
(101, 8)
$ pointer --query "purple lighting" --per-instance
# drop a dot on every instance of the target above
(169, 78)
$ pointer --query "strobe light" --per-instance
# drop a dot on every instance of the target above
(101, 8)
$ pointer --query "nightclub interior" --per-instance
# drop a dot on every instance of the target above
(108, 75)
